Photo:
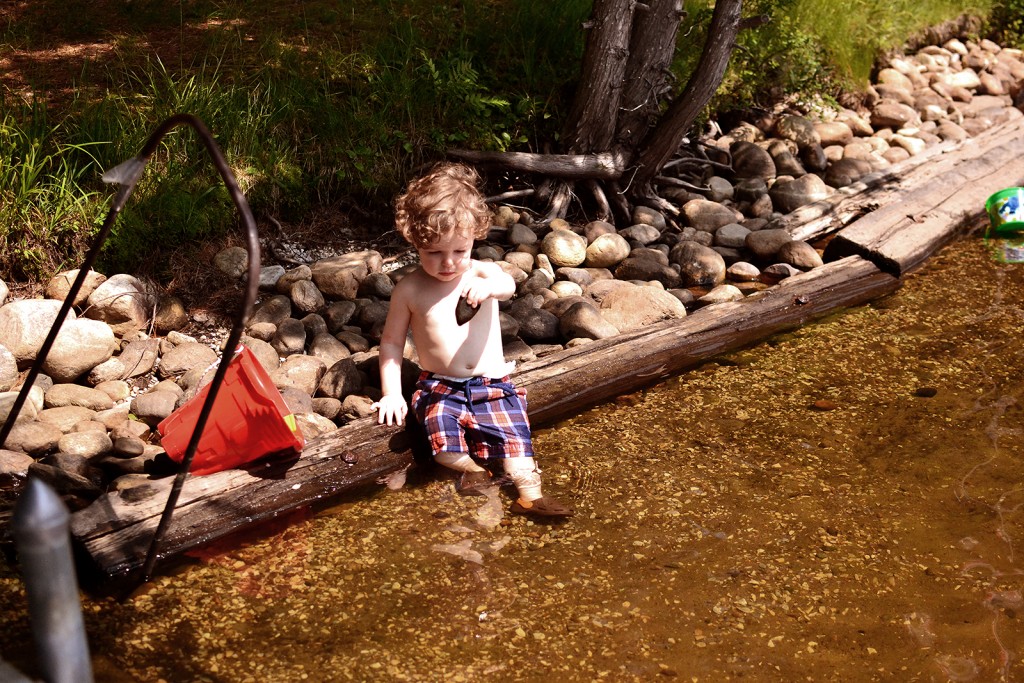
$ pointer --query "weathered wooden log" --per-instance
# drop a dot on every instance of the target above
(900, 236)
(116, 529)
(602, 166)
(936, 166)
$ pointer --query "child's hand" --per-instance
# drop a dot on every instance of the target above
(390, 409)
(476, 290)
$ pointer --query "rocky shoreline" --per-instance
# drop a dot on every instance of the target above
(127, 357)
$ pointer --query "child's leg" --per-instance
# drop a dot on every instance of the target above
(474, 480)
(460, 462)
(524, 474)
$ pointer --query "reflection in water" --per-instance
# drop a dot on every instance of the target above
(842, 502)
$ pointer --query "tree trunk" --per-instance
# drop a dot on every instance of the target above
(648, 78)
(591, 123)
(664, 140)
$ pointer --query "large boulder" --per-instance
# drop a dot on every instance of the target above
(339, 277)
(122, 302)
(632, 308)
(24, 325)
(81, 345)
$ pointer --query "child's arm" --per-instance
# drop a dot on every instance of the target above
(490, 282)
(392, 407)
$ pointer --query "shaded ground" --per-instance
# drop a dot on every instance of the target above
(840, 503)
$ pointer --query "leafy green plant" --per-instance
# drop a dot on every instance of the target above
(1006, 22)
(44, 208)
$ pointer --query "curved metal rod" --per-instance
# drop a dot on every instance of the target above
(127, 176)
(252, 285)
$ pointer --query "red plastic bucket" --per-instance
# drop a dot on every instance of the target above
(249, 419)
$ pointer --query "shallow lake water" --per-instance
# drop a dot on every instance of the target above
(842, 502)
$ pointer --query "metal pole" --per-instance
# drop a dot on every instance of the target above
(41, 531)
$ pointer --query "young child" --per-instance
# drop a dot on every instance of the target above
(464, 399)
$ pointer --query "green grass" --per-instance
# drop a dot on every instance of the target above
(319, 102)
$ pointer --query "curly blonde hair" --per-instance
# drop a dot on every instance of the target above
(443, 202)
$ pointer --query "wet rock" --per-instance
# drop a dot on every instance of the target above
(14, 465)
(65, 483)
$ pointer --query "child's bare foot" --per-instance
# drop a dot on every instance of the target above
(474, 483)
(545, 506)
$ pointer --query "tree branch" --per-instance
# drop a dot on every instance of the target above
(604, 166)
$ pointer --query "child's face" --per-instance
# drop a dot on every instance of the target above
(448, 257)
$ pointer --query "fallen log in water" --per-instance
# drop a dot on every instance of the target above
(939, 170)
(900, 236)
(115, 530)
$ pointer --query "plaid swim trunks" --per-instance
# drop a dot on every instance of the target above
(481, 416)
